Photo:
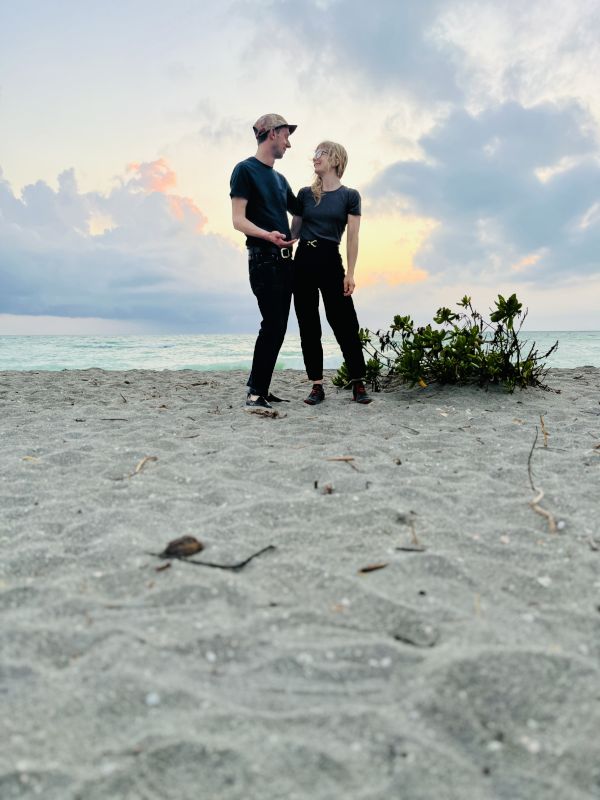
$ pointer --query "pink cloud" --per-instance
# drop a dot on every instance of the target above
(152, 176)
(184, 208)
(158, 177)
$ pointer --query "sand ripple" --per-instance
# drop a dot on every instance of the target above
(467, 670)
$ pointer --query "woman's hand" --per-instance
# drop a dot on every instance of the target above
(349, 285)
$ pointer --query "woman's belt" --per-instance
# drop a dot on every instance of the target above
(318, 243)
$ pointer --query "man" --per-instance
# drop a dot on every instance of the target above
(261, 199)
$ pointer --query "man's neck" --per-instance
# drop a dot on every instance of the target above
(264, 156)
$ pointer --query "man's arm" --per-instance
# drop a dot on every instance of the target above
(351, 252)
(242, 223)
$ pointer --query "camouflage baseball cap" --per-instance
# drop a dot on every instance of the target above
(269, 121)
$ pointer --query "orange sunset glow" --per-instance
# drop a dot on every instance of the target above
(471, 129)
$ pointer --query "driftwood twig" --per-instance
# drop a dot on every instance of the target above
(544, 431)
(138, 468)
(372, 567)
(233, 567)
(142, 463)
(539, 493)
(346, 459)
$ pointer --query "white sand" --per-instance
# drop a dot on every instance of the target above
(468, 671)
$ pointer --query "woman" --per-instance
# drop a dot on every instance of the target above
(324, 210)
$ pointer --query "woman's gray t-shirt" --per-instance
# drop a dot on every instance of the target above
(328, 219)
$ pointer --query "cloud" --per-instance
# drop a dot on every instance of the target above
(441, 51)
(511, 187)
(387, 45)
(529, 52)
(153, 176)
(138, 252)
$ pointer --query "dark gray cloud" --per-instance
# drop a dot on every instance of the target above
(153, 262)
(387, 44)
(508, 184)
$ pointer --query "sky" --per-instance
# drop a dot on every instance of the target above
(472, 130)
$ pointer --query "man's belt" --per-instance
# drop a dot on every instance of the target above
(271, 251)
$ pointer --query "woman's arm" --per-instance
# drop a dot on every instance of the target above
(351, 252)
(296, 225)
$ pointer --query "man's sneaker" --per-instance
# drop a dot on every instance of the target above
(317, 395)
(359, 393)
(260, 402)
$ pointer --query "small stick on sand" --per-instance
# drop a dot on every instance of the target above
(372, 568)
(346, 459)
(415, 546)
(272, 413)
(544, 431)
(142, 463)
(233, 567)
(413, 534)
(529, 461)
(539, 510)
(138, 468)
(539, 493)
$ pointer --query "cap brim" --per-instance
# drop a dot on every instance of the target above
(258, 132)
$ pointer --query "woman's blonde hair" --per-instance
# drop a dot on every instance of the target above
(338, 158)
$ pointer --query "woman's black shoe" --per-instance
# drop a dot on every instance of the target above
(360, 394)
(317, 395)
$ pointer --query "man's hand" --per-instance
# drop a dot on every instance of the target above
(277, 238)
(349, 285)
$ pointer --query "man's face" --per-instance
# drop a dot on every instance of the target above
(281, 141)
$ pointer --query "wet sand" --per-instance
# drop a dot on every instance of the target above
(466, 668)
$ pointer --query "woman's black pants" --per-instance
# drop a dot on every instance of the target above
(318, 268)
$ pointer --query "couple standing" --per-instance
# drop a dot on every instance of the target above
(261, 200)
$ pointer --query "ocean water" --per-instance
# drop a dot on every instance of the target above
(225, 351)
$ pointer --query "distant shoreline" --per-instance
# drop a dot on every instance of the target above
(223, 352)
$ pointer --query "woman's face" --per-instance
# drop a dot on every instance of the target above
(321, 162)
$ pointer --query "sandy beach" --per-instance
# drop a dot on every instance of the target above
(463, 665)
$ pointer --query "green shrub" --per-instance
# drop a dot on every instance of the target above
(372, 375)
(466, 350)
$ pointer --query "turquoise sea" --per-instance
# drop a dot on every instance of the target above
(224, 351)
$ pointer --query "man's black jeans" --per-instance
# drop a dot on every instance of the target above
(271, 282)
(319, 268)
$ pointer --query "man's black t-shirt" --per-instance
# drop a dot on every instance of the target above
(268, 194)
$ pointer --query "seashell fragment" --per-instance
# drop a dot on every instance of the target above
(183, 547)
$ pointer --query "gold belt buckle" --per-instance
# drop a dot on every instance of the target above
(311, 242)
(285, 252)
